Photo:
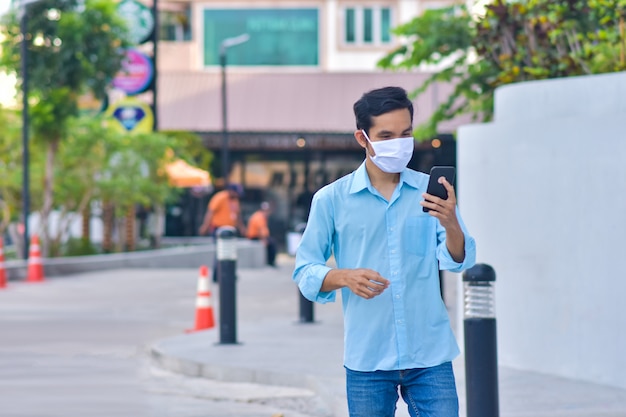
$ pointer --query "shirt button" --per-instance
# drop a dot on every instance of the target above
(398, 296)
(393, 251)
(399, 321)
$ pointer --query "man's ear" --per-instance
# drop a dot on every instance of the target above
(360, 138)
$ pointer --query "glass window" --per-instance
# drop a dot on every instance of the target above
(385, 25)
(350, 26)
(368, 25)
(278, 36)
(175, 25)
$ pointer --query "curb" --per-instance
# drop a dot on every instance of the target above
(325, 388)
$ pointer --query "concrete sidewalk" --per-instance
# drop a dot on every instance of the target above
(276, 349)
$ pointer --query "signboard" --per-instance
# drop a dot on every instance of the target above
(139, 20)
(277, 36)
(131, 115)
(136, 74)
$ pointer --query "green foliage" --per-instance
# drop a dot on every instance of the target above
(512, 42)
(69, 47)
(11, 152)
(98, 163)
(189, 146)
(73, 48)
(10, 168)
(81, 160)
(134, 171)
(79, 247)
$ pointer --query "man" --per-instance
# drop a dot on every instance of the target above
(258, 229)
(388, 252)
(223, 210)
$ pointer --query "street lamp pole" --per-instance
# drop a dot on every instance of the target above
(227, 43)
(25, 150)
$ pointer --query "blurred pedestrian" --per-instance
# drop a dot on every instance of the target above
(258, 229)
(388, 254)
(223, 210)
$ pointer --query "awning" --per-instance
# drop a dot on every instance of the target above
(183, 175)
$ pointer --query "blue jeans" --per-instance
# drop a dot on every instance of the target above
(428, 392)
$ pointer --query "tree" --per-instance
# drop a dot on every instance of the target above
(511, 42)
(135, 176)
(73, 49)
(82, 157)
(10, 169)
(11, 176)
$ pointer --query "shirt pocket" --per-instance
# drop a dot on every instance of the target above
(419, 235)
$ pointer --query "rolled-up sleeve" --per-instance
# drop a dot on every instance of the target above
(443, 254)
(315, 249)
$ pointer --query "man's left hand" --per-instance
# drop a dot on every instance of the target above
(444, 210)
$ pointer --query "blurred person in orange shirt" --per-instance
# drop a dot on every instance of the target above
(258, 229)
(223, 210)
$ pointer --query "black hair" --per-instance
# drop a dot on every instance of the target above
(380, 101)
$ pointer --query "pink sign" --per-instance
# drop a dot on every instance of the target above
(136, 74)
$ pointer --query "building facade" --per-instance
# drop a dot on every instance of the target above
(289, 92)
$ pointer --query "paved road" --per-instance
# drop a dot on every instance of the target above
(77, 346)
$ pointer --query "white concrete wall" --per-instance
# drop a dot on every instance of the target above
(543, 190)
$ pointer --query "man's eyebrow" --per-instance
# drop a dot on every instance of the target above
(388, 132)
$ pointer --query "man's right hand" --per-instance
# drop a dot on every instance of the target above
(363, 282)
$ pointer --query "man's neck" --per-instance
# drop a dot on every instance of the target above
(384, 182)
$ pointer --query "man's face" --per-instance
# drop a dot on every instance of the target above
(395, 124)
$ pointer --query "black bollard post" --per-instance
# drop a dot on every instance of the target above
(306, 309)
(481, 351)
(306, 306)
(226, 269)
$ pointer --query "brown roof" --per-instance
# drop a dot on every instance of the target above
(281, 102)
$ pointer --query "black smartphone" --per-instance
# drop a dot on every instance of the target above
(436, 189)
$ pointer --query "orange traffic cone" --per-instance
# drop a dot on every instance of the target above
(3, 275)
(204, 308)
(35, 268)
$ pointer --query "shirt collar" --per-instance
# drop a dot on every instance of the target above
(408, 179)
(361, 181)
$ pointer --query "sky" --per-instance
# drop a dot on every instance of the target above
(4, 5)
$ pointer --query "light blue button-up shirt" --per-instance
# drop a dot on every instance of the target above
(407, 326)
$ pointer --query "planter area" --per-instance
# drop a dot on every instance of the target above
(250, 254)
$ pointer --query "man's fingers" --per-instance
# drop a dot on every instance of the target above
(373, 276)
(369, 292)
(369, 283)
(432, 205)
(376, 287)
(451, 194)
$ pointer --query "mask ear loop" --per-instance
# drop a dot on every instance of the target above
(372, 153)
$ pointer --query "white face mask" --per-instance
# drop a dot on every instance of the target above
(392, 155)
